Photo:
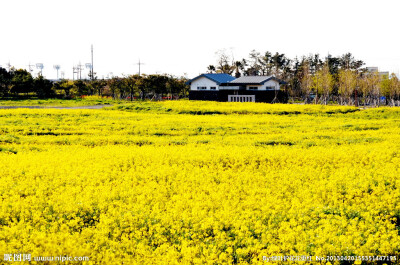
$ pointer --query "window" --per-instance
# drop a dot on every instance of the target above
(213, 88)
(201, 88)
(270, 87)
(253, 88)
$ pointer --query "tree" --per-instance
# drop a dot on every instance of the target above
(98, 86)
(254, 63)
(92, 75)
(63, 86)
(306, 79)
(317, 85)
(370, 86)
(157, 85)
(67, 86)
(266, 64)
(294, 82)
(43, 87)
(286, 69)
(116, 86)
(5, 82)
(21, 82)
(374, 81)
(391, 88)
(333, 63)
(365, 87)
(238, 66)
(315, 62)
(347, 85)
(130, 83)
(141, 85)
(211, 69)
(347, 62)
(177, 86)
(279, 62)
(243, 66)
(81, 88)
(323, 83)
(224, 62)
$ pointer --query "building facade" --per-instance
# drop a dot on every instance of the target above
(223, 87)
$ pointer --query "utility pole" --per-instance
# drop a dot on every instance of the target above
(74, 71)
(92, 74)
(79, 70)
(139, 66)
(9, 66)
(57, 67)
(30, 67)
(90, 67)
(40, 67)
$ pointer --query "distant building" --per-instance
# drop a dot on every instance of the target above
(223, 87)
(372, 69)
(383, 75)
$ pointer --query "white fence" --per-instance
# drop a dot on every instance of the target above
(241, 98)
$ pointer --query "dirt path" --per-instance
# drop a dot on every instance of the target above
(50, 107)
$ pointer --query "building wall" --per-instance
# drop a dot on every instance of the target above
(222, 95)
(203, 82)
(204, 95)
(229, 87)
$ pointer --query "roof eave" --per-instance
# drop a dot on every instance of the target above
(266, 80)
(191, 80)
(203, 75)
(281, 82)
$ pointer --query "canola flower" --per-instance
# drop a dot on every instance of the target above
(155, 183)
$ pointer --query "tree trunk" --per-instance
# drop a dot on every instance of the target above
(131, 94)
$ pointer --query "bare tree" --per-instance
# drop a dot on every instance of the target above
(225, 62)
(347, 85)
(323, 84)
(364, 84)
(255, 63)
(390, 88)
(376, 89)
(306, 80)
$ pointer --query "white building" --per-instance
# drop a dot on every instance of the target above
(223, 87)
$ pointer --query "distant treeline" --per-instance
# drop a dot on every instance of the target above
(21, 84)
(313, 79)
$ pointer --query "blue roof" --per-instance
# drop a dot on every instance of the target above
(218, 78)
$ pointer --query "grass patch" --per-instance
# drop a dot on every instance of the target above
(8, 150)
(266, 143)
(77, 102)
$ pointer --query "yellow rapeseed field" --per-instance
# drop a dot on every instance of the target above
(199, 182)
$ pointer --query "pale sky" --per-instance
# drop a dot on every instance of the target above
(181, 37)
